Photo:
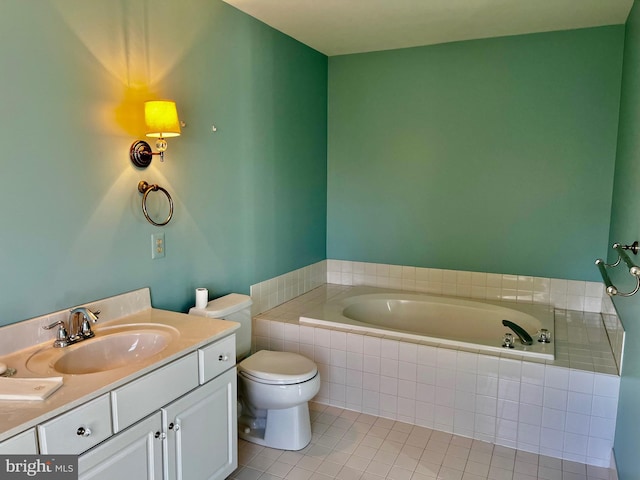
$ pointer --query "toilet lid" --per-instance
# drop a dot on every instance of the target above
(283, 368)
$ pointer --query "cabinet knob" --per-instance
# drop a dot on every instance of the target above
(160, 435)
(223, 358)
(174, 427)
(83, 432)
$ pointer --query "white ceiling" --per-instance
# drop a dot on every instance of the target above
(337, 27)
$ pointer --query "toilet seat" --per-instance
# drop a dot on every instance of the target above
(278, 368)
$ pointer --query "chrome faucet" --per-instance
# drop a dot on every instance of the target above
(78, 330)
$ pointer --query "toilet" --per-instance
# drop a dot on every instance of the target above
(274, 388)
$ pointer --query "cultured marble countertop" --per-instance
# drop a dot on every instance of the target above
(194, 332)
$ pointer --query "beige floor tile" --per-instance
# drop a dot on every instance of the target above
(348, 445)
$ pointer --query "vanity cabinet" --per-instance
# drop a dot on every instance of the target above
(177, 421)
(189, 436)
(22, 444)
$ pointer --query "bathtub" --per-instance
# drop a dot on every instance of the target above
(446, 321)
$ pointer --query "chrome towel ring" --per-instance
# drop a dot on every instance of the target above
(145, 188)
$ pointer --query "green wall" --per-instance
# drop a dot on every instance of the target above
(250, 200)
(490, 155)
(493, 155)
(625, 228)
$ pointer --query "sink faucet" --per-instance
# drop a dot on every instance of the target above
(78, 330)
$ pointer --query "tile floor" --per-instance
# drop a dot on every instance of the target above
(348, 445)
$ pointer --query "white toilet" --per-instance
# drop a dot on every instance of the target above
(274, 388)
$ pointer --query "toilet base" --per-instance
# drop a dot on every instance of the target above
(285, 429)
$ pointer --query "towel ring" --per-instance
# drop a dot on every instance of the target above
(145, 188)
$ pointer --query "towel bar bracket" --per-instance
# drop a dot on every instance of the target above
(634, 247)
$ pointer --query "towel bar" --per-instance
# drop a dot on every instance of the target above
(634, 270)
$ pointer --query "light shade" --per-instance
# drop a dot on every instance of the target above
(161, 117)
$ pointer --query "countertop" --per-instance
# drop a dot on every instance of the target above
(195, 332)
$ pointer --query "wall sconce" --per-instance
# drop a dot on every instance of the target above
(161, 118)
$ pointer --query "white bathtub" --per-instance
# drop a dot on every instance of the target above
(452, 321)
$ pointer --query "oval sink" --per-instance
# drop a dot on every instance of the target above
(102, 353)
(113, 351)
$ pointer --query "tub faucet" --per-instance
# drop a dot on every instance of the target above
(79, 330)
(524, 337)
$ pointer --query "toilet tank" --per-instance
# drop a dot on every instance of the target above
(237, 308)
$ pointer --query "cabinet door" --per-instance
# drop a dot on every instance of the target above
(135, 453)
(22, 444)
(202, 431)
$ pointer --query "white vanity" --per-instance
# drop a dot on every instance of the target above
(169, 415)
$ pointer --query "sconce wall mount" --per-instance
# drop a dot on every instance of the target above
(140, 154)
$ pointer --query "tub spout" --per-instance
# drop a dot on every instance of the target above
(524, 337)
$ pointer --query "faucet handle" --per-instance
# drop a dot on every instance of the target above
(88, 314)
(62, 337)
(54, 324)
(85, 327)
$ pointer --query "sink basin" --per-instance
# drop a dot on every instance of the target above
(113, 351)
(111, 348)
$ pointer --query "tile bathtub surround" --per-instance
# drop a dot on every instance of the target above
(564, 294)
(275, 291)
(583, 342)
(348, 445)
(565, 409)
